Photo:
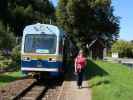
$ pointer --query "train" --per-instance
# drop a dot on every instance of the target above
(44, 51)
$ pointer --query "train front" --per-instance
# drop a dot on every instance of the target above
(39, 54)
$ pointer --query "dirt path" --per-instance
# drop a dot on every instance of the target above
(71, 91)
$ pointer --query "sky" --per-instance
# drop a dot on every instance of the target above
(123, 9)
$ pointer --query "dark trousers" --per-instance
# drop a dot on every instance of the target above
(80, 77)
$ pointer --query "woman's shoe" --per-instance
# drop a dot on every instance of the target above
(79, 87)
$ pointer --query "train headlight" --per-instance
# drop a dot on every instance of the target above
(26, 58)
(52, 60)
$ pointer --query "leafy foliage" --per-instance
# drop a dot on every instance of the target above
(16, 57)
(18, 13)
(124, 48)
(87, 20)
(7, 39)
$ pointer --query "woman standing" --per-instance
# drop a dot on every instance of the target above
(80, 63)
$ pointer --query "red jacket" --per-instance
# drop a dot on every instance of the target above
(80, 61)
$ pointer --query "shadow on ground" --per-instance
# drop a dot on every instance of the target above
(100, 82)
(93, 70)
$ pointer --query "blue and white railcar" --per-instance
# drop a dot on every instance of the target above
(42, 49)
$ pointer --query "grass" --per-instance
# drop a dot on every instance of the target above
(110, 81)
(6, 78)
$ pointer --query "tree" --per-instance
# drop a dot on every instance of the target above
(7, 39)
(19, 13)
(124, 48)
(87, 20)
(62, 16)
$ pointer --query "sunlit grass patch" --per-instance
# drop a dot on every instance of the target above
(5, 78)
(110, 81)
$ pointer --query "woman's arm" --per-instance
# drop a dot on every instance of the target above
(75, 65)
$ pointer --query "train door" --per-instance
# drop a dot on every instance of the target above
(66, 53)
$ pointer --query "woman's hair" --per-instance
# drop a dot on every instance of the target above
(81, 51)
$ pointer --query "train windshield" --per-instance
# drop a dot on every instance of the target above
(40, 43)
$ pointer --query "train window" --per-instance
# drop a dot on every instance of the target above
(40, 43)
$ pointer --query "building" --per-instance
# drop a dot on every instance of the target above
(97, 49)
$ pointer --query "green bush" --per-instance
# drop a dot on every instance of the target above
(5, 63)
(1, 57)
(124, 48)
(15, 56)
(7, 40)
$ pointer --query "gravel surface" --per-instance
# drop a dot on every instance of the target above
(13, 88)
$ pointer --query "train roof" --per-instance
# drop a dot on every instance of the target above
(43, 29)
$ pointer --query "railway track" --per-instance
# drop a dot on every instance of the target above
(46, 90)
